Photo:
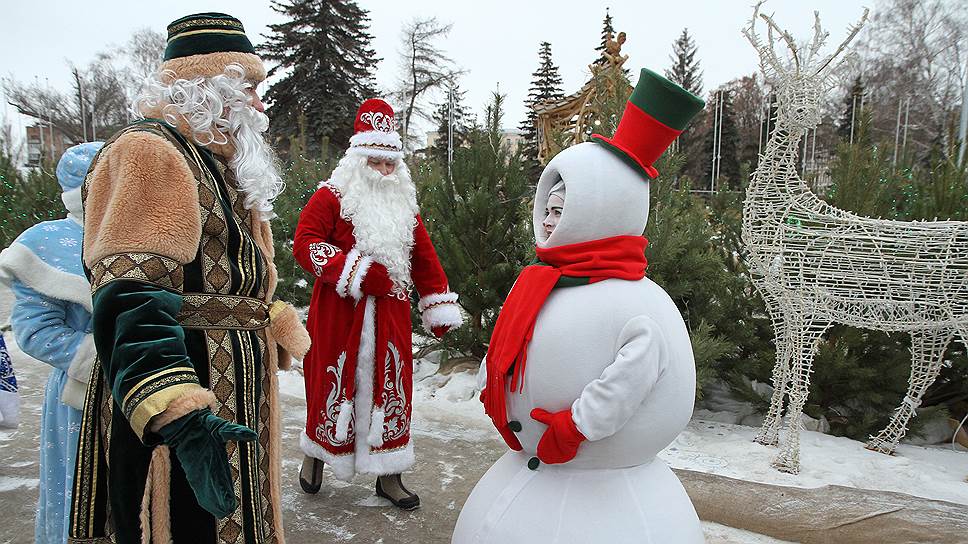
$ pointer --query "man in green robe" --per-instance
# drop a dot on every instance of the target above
(180, 435)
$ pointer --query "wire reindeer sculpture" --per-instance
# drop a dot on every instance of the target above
(816, 265)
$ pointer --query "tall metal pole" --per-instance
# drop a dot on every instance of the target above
(897, 131)
(853, 113)
(907, 113)
(80, 96)
(50, 122)
(450, 133)
(963, 129)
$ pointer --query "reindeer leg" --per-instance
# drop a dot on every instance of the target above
(927, 351)
(769, 432)
(804, 340)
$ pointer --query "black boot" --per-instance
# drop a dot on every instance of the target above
(390, 487)
(311, 475)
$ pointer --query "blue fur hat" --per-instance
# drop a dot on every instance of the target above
(73, 165)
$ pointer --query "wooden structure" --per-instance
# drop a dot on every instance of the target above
(572, 119)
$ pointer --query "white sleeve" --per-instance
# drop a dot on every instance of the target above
(607, 403)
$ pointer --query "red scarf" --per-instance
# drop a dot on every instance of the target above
(621, 257)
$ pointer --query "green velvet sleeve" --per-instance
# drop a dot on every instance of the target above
(142, 348)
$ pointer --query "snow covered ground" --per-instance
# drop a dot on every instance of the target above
(455, 444)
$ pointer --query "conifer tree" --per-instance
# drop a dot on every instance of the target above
(608, 31)
(462, 124)
(685, 66)
(545, 86)
(685, 72)
(325, 47)
(480, 224)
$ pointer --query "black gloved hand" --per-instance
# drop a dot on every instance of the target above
(198, 439)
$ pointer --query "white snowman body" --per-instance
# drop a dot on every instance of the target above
(615, 352)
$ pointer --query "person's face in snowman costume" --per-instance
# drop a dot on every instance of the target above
(554, 208)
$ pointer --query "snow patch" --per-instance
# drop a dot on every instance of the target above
(9, 483)
(729, 450)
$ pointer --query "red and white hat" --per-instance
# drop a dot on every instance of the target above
(375, 132)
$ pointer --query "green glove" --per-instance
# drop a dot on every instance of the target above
(199, 441)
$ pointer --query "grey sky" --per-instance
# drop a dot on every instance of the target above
(496, 41)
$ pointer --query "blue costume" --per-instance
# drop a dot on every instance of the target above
(9, 401)
(51, 320)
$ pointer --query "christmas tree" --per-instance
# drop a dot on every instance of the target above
(545, 86)
(481, 226)
(324, 50)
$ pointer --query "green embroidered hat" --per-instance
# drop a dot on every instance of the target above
(203, 44)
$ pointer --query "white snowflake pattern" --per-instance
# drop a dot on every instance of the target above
(51, 228)
(68, 242)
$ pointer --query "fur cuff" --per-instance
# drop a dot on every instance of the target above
(343, 420)
(356, 288)
(189, 402)
(435, 299)
(440, 310)
(73, 393)
(288, 330)
(375, 436)
(351, 277)
(79, 373)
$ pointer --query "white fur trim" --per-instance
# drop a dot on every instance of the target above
(373, 462)
(375, 153)
(79, 373)
(362, 460)
(72, 201)
(436, 298)
(19, 263)
(343, 283)
(375, 438)
(343, 420)
(443, 315)
(377, 137)
(356, 288)
(341, 465)
(9, 410)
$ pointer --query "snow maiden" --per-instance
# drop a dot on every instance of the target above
(590, 371)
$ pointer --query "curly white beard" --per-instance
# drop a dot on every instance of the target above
(383, 211)
(203, 103)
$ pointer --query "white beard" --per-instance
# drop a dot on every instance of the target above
(254, 163)
(383, 211)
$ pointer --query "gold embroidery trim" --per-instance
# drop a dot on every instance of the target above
(157, 403)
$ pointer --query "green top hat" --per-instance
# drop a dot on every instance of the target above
(655, 115)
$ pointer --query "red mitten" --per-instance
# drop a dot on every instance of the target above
(560, 441)
(440, 330)
(377, 282)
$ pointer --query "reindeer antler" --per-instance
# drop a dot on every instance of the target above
(769, 62)
(852, 31)
(771, 25)
(819, 38)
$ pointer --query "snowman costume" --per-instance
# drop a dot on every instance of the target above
(609, 379)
